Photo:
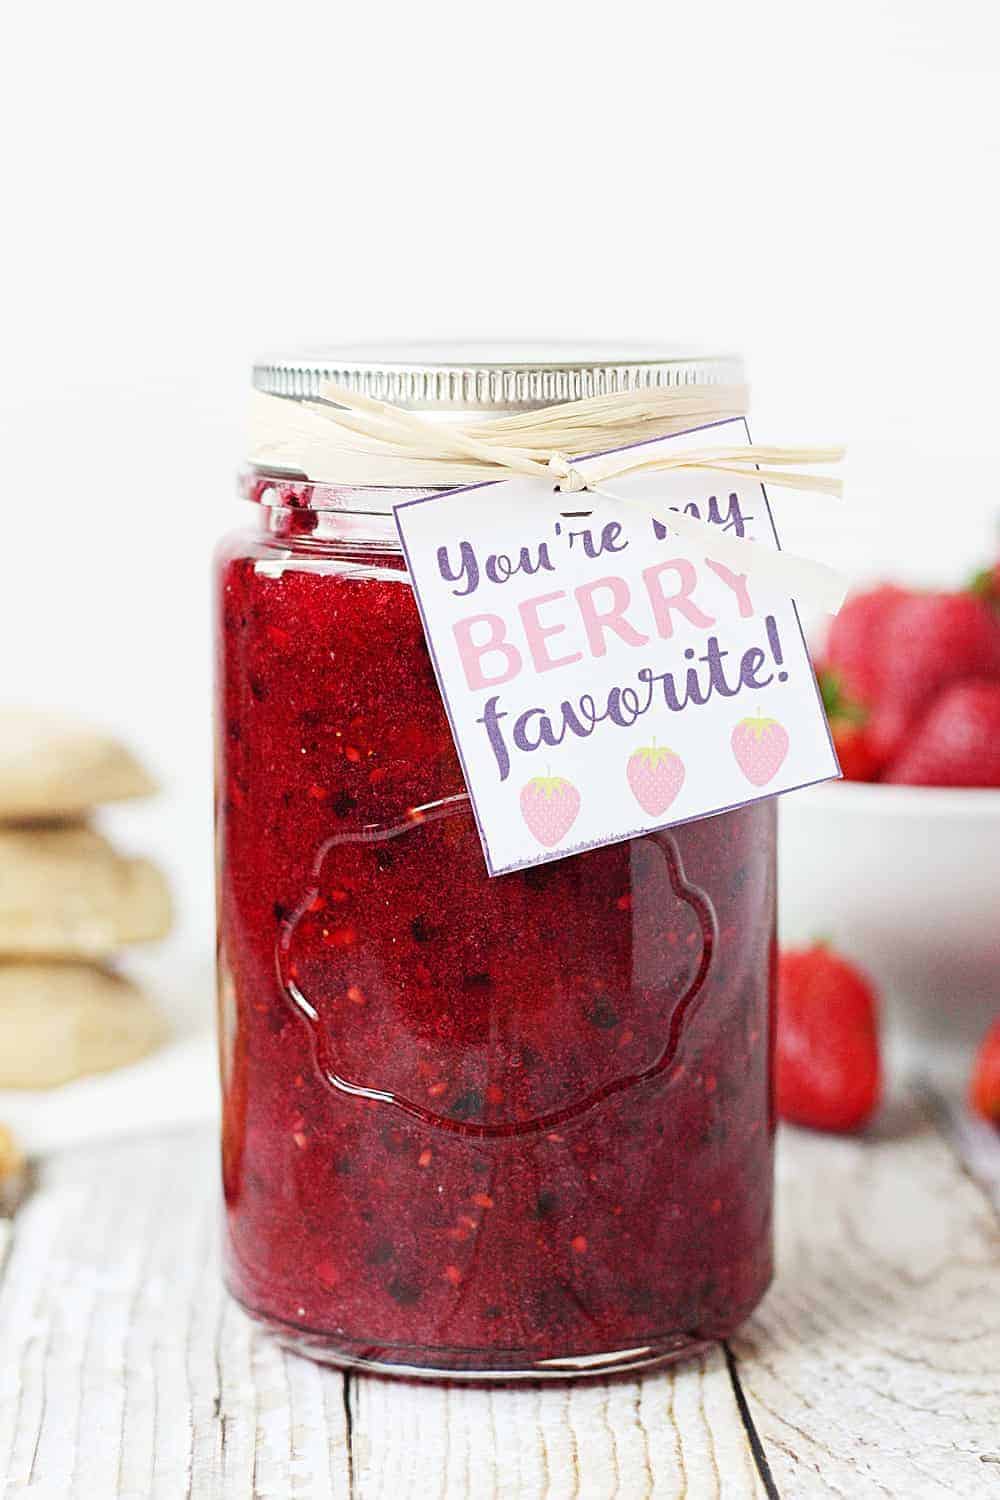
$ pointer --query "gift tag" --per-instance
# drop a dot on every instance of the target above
(603, 675)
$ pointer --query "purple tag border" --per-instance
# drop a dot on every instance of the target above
(713, 812)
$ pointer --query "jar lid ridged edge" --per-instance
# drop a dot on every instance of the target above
(505, 385)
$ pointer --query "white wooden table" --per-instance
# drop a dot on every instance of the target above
(872, 1368)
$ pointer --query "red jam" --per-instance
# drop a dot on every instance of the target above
(501, 1126)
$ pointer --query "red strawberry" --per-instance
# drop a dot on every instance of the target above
(549, 806)
(829, 1074)
(760, 746)
(984, 1086)
(858, 760)
(854, 646)
(848, 722)
(655, 775)
(957, 742)
(932, 641)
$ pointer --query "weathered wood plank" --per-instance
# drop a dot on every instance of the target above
(873, 1367)
(673, 1434)
(126, 1371)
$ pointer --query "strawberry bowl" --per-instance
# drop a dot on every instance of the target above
(906, 879)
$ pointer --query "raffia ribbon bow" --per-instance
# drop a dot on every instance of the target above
(345, 438)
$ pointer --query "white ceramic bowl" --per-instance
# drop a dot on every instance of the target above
(907, 881)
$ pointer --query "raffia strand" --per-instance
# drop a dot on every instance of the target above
(347, 439)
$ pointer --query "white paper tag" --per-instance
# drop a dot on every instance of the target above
(603, 678)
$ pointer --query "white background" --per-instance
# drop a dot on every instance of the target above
(187, 185)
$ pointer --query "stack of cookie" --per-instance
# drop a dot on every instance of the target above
(69, 902)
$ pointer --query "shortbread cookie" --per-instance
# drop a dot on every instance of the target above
(51, 767)
(60, 1021)
(13, 1171)
(66, 893)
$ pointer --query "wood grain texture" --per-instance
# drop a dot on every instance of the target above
(873, 1367)
(673, 1434)
(126, 1374)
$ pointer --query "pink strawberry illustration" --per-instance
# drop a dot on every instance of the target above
(549, 805)
(655, 775)
(760, 746)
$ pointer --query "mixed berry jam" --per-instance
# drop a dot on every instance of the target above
(474, 1126)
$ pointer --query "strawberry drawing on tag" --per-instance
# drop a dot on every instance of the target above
(655, 774)
(549, 806)
(760, 746)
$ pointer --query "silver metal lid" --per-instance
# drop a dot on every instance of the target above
(492, 377)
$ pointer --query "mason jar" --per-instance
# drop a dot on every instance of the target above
(473, 1127)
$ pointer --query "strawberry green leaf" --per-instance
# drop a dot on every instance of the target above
(550, 786)
(759, 725)
(654, 755)
(837, 703)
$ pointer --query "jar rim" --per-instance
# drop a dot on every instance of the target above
(284, 490)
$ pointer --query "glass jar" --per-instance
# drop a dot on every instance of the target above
(472, 1127)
